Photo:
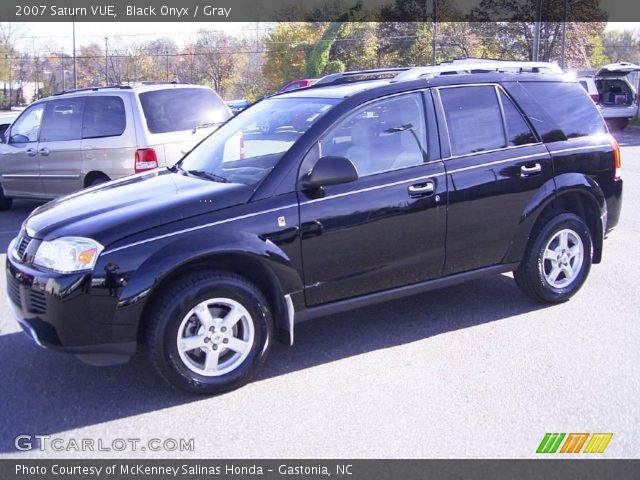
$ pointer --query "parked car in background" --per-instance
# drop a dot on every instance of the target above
(618, 97)
(377, 188)
(296, 84)
(6, 119)
(89, 136)
(236, 106)
(589, 85)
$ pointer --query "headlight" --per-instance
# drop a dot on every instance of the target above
(68, 254)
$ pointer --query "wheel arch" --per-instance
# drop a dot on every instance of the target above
(92, 175)
(572, 192)
(254, 269)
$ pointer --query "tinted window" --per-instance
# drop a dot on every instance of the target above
(62, 120)
(474, 119)
(518, 131)
(26, 128)
(103, 117)
(569, 107)
(176, 109)
(381, 136)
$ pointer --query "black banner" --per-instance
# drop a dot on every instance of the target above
(318, 10)
(320, 469)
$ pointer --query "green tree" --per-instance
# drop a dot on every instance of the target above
(288, 46)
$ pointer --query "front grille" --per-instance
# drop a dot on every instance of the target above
(22, 244)
(37, 302)
(13, 289)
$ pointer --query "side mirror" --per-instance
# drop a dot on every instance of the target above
(330, 170)
(18, 138)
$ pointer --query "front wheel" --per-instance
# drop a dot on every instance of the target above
(209, 332)
(557, 260)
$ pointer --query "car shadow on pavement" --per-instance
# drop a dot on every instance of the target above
(47, 392)
(629, 137)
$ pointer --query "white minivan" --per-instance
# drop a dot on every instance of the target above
(618, 96)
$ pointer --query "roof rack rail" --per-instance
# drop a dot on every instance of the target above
(469, 67)
(91, 89)
(358, 76)
(160, 82)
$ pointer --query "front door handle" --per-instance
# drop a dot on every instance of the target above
(525, 171)
(44, 151)
(31, 152)
(422, 189)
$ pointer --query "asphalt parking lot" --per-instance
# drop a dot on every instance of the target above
(476, 370)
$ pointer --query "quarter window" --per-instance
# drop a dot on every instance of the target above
(569, 106)
(381, 136)
(62, 120)
(474, 119)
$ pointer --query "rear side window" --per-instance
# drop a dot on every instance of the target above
(474, 119)
(176, 109)
(518, 131)
(62, 120)
(103, 117)
(569, 106)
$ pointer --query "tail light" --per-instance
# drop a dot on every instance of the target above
(595, 98)
(617, 160)
(241, 146)
(146, 159)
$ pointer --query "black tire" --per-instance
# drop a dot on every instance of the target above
(530, 276)
(171, 307)
(617, 124)
(5, 202)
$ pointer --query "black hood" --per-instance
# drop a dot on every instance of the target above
(117, 209)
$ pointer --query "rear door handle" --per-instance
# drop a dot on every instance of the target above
(422, 189)
(44, 151)
(533, 169)
(31, 152)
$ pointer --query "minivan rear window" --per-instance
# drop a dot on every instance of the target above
(569, 106)
(176, 109)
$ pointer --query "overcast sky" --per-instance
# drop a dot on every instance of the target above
(52, 36)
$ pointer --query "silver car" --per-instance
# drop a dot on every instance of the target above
(82, 138)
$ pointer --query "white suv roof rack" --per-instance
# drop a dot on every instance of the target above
(480, 66)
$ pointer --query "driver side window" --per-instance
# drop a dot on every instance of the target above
(381, 136)
(26, 128)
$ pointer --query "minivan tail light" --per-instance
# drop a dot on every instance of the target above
(146, 159)
(595, 98)
(617, 160)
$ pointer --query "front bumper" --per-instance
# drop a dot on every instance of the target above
(59, 311)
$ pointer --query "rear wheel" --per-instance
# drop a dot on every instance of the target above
(617, 124)
(557, 260)
(5, 202)
(209, 332)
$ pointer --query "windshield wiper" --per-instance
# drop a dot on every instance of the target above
(209, 175)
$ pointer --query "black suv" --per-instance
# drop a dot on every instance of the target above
(370, 187)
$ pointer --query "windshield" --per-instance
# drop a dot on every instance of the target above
(178, 109)
(247, 147)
